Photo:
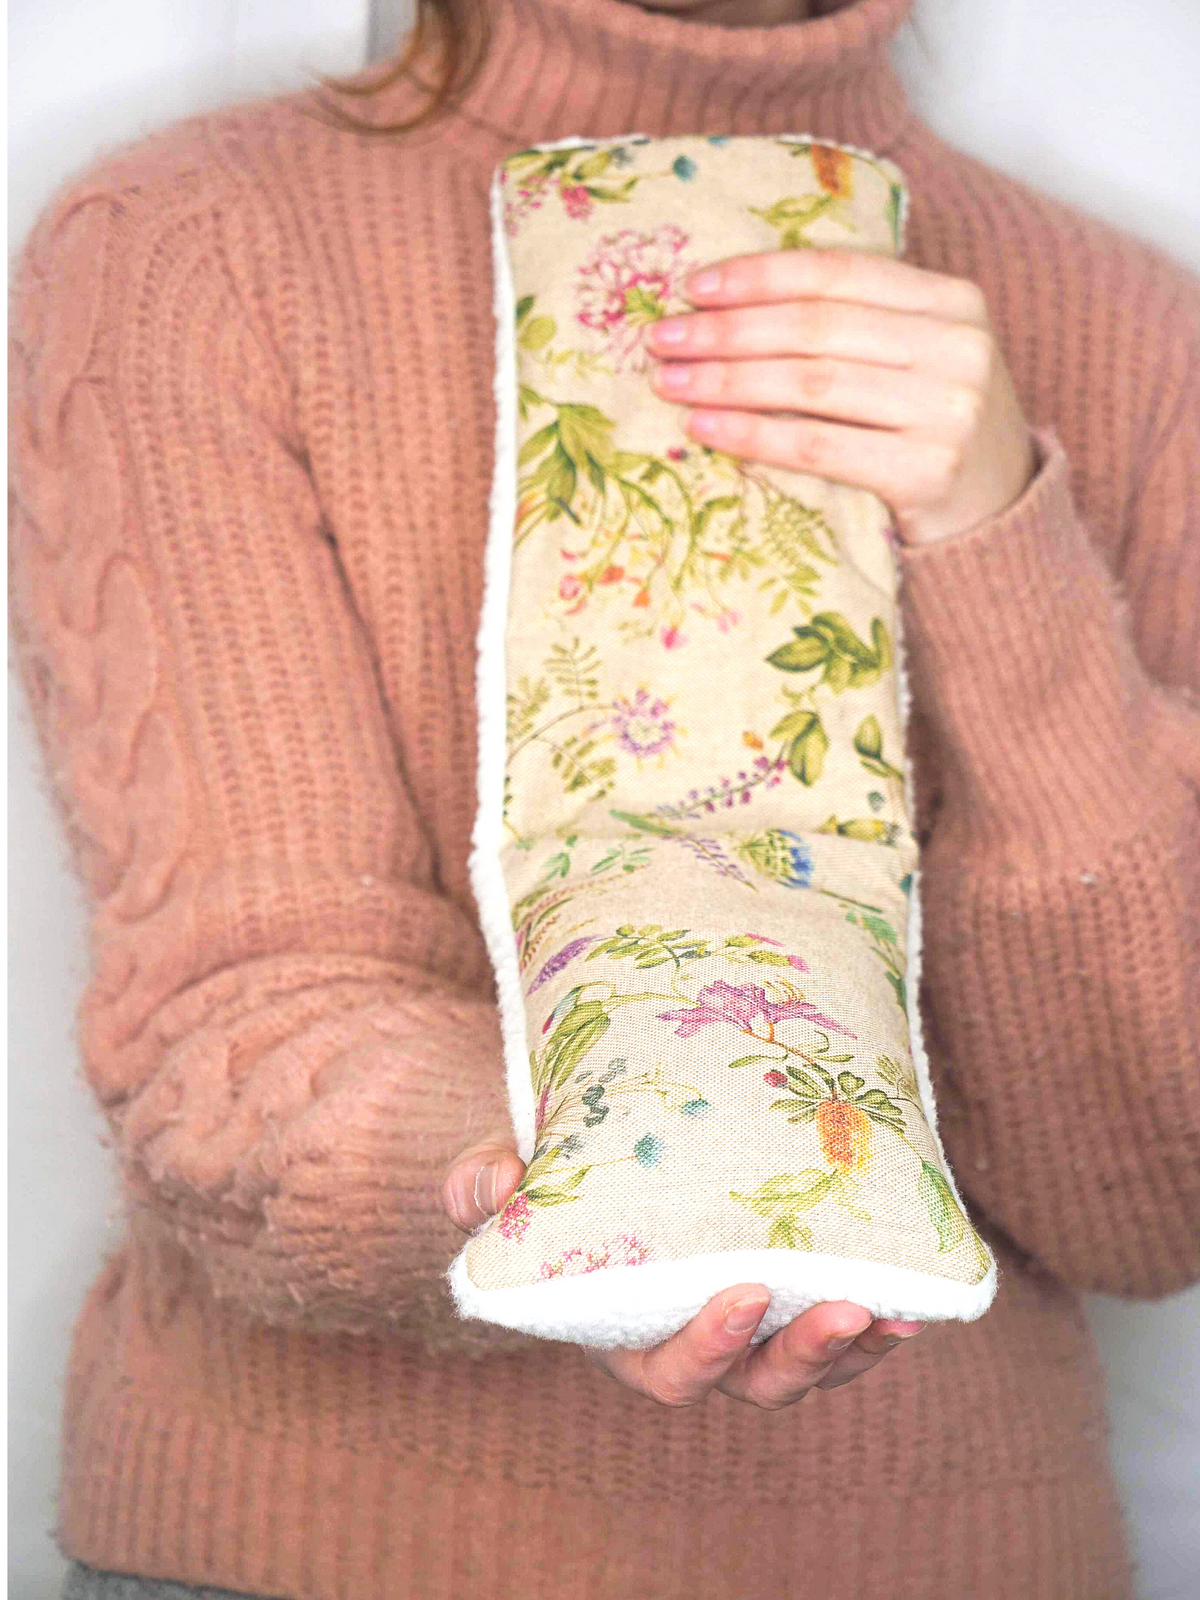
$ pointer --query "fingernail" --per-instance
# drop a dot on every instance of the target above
(910, 1333)
(842, 1342)
(485, 1188)
(744, 1314)
(706, 282)
(672, 331)
(675, 377)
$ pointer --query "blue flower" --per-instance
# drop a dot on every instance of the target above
(696, 1108)
(683, 167)
(799, 858)
(648, 1150)
(718, 138)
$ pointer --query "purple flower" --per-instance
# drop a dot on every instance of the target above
(739, 1005)
(558, 962)
(735, 1003)
(642, 725)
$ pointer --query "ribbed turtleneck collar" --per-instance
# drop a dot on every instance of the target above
(557, 68)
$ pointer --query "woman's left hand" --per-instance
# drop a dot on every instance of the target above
(903, 358)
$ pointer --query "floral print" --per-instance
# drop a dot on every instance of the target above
(631, 280)
(625, 1250)
(707, 841)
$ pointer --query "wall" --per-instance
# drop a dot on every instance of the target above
(1091, 99)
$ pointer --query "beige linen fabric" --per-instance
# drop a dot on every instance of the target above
(707, 847)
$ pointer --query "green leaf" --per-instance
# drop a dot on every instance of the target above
(806, 1115)
(561, 484)
(795, 725)
(641, 307)
(536, 443)
(550, 1197)
(833, 626)
(848, 1083)
(807, 754)
(876, 1100)
(868, 737)
(806, 650)
(849, 1057)
(805, 1085)
(538, 331)
(786, 1234)
(524, 306)
(746, 1061)
(882, 642)
(839, 672)
(593, 166)
(943, 1209)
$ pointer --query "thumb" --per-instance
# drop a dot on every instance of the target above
(480, 1180)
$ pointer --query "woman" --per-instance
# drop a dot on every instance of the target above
(254, 421)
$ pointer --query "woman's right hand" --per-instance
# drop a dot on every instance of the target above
(822, 1348)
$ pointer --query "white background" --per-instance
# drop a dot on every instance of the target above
(1094, 100)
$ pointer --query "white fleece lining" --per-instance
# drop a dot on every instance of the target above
(638, 1307)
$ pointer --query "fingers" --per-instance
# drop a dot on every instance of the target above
(791, 1362)
(882, 397)
(874, 335)
(835, 274)
(683, 1369)
(480, 1181)
(868, 1350)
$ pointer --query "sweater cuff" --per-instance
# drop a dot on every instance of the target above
(1020, 657)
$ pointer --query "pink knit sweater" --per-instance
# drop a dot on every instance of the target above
(253, 442)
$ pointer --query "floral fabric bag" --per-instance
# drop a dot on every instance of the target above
(693, 854)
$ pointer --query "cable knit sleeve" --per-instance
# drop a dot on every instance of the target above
(1061, 872)
(289, 1029)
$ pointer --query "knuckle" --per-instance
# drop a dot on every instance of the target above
(665, 1392)
(814, 379)
(973, 300)
(806, 449)
(964, 405)
(976, 353)
(814, 322)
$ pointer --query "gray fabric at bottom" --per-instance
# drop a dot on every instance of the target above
(89, 1583)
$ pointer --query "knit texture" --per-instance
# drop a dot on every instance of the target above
(253, 426)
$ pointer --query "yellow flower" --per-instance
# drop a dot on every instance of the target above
(845, 1135)
(833, 169)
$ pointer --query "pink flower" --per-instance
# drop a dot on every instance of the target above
(740, 1005)
(676, 453)
(735, 1003)
(672, 639)
(625, 1250)
(515, 1217)
(777, 1080)
(728, 619)
(626, 285)
(569, 586)
(577, 201)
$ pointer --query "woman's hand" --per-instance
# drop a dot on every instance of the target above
(826, 1346)
(905, 359)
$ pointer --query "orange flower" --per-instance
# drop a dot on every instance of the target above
(752, 740)
(833, 168)
(642, 597)
(845, 1134)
